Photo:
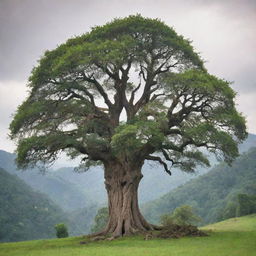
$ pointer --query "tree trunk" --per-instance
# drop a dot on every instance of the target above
(122, 181)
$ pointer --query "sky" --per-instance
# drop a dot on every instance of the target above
(223, 32)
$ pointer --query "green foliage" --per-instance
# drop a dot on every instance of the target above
(218, 107)
(130, 138)
(183, 215)
(61, 230)
(100, 220)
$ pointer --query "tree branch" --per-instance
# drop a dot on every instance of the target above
(158, 159)
(100, 89)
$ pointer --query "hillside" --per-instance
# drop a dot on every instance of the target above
(24, 213)
(63, 192)
(234, 237)
(212, 192)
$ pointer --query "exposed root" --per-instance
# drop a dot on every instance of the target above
(111, 233)
(98, 238)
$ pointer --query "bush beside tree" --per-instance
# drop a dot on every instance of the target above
(61, 230)
(183, 215)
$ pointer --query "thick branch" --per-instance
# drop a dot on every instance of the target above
(158, 159)
(100, 90)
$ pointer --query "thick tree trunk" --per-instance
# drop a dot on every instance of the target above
(122, 181)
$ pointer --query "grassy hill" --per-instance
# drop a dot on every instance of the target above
(234, 237)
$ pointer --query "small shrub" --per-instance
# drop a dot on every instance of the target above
(167, 220)
(183, 215)
(61, 230)
(180, 223)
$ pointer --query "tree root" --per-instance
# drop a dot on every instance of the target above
(106, 234)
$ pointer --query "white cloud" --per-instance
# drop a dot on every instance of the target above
(246, 105)
(12, 93)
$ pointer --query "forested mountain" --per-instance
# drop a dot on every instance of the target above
(210, 193)
(81, 194)
(63, 192)
(80, 221)
(24, 213)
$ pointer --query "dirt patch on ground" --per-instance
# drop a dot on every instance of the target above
(177, 231)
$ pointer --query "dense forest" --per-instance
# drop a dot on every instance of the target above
(24, 213)
(216, 195)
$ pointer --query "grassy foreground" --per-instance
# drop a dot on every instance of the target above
(236, 237)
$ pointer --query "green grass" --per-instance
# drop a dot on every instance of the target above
(233, 237)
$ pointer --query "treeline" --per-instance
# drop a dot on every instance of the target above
(243, 204)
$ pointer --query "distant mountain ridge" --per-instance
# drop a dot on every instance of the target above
(64, 193)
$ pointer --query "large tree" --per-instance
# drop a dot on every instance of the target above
(129, 91)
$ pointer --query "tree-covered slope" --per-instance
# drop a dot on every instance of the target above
(211, 193)
(61, 191)
(24, 213)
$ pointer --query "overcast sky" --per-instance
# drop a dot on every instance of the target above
(224, 32)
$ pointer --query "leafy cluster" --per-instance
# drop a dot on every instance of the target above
(61, 230)
(183, 215)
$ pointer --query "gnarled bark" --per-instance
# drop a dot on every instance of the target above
(122, 181)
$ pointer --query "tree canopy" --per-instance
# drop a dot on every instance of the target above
(172, 105)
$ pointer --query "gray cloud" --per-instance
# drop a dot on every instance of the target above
(224, 32)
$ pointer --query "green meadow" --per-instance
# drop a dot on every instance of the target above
(232, 237)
